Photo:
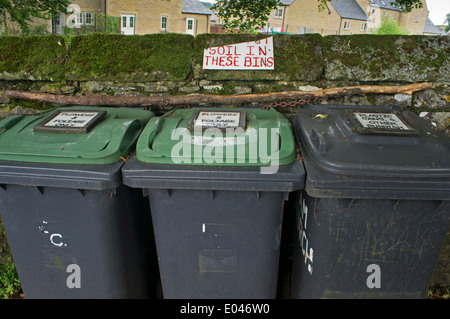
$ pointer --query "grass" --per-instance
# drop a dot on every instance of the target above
(10, 286)
(437, 291)
(9, 280)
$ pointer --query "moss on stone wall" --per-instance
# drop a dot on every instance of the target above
(138, 58)
(178, 57)
(387, 58)
(32, 58)
(96, 57)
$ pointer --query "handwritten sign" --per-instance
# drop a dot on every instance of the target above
(256, 55)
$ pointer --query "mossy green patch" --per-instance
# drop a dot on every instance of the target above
(299, 56)
(136, 58)
(387, 58)
(35, 58)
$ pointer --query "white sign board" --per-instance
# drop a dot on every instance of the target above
(218, 119)
(72, 119)
(256, 55)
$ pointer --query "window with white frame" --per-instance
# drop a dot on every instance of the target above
(79, 18)
(364, 26)
(278, 13)
(416, 18)
(163, 23)
(131, 21)
(346, 25)
(88, 18)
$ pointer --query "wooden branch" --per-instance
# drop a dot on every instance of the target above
(202, 99)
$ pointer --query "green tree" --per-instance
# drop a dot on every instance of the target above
(447, 20)
(390, 26)
(23, 11)
(244, 15)
(247, 15)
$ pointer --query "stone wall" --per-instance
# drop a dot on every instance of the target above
(169, 64)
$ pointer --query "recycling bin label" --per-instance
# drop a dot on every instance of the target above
(70, 121)
(380, 123)
(204, 119)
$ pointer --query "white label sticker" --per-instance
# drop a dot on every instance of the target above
(71, 119)
(385, 121)
(218, 119)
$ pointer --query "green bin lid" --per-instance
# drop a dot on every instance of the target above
(219, 137)
(72, 135)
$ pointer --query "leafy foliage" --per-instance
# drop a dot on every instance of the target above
(9, 280)
(248, 15)
(390, 26)
(244, 15)
(408, 5)
(447, 20)
(23, 11)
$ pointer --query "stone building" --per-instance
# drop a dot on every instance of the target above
(136, 16)
(340, 17)
(343, 17)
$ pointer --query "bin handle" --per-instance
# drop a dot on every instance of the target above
(155, 125)
(9, 122)
(318, 141)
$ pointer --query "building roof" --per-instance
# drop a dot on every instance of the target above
(195, 7)
(286, 2)
(385, 4)
(431, 28)
(349, 9)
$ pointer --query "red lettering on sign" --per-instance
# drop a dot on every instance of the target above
(262, 50)
(250, 55)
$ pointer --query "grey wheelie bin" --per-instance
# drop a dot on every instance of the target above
(74, 230)
(375, 209)
(217, 180)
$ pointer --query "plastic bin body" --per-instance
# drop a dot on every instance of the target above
(375, 211)
(221, 250)
(217, 228)
(57, 215)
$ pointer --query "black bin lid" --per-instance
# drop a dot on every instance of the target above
(372, 151)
